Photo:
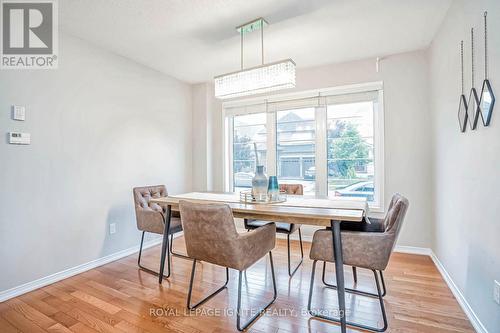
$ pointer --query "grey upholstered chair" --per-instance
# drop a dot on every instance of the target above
(370, 250)
(211, 236)
(371, 225)
(284, 228)
(151, 218)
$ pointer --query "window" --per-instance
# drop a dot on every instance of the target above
(249, 137)
(350, 153)
(295, 148)
(330, 141)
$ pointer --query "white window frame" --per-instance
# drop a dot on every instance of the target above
(377, 206)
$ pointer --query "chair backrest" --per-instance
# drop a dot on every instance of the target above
(209, 231)
(395, 217)
(149, 216)
(143, 195)
(293, 189)
(393, 222)
(396, 213)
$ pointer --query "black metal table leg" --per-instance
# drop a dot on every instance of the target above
(339, 271)
(164, 245)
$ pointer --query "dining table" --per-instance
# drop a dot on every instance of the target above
(311, 210)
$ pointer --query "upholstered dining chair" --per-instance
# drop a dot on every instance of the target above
(371, 225)
(284, 228)
(211, 236)
(369, 250)
(151, 218)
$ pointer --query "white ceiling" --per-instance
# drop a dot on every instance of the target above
(194, 40)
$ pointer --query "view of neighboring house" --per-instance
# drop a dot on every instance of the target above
(349, 169)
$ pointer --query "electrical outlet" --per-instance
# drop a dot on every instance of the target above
(112, 228)
(496, 292)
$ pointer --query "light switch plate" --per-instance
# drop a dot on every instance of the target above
(112, 228)
(18, 112)
(18, 138)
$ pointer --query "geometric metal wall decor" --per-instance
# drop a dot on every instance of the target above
(469, 110)
(473, 101)
(487, 99)
(462, 106)
(486, 103)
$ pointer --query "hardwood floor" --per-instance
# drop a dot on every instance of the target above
(118, 297)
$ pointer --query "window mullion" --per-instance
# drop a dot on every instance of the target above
(271, 143)
(321, 152)
(379, 145)
(229, 137)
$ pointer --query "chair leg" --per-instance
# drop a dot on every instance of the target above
(350, 323)
(311, 286)
(381, 300)
(383, 283)
(290, 271)
(349, 290)
(148, 270)
(180, 255)
(191, 307)
(261, 311)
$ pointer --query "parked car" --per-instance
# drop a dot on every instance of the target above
(310, 173)
(243, 179)
(361, 189)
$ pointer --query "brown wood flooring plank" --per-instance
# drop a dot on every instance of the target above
(118, 298)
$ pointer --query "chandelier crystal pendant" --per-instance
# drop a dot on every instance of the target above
(255, 80)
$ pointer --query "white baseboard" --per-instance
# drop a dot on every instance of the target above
(476, 323)
(39, 283)
(424, 251)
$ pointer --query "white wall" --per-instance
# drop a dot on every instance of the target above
(407, 140)
(100, 125)
(201, 149)
(207, 149)
(466, 165)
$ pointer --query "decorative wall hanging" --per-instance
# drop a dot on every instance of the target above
(473, 102)
(487, 99)
(260, 79)
(462, 107)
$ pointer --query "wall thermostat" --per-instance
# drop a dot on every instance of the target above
(18, 112)
(18, 138)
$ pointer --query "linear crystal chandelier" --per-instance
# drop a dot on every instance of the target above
(255, 80)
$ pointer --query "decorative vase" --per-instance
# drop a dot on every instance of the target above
(273, 189)
(259, 184)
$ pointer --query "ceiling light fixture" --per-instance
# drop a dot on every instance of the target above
(255, 80)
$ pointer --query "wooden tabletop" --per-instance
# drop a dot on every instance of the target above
(309, 210)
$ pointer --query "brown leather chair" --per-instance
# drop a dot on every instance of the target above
(284, 228)
(363, 249)
(151, 218)
(211, 236)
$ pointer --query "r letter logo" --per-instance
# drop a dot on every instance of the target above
(29, 34)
